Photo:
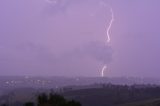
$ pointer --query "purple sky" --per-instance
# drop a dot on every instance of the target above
(67, 37)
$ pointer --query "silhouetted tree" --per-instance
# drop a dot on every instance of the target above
(42, 99)
(54, 100)
(73, 103)
(29, 104)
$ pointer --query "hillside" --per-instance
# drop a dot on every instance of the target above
(107, 95)
(153, 102)
(113, 95)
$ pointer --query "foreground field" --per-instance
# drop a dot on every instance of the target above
(106, 95)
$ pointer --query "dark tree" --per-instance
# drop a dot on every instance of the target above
(73, 103)
(42, 99)
(29, 104)
(54, 100)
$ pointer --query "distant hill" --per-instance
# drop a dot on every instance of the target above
(11, 82)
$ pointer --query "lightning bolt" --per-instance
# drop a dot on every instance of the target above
(110, 25)
(108, 38)
(103, 69)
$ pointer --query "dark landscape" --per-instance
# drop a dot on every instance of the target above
(16, 91)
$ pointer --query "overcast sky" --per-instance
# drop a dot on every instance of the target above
(67, 37)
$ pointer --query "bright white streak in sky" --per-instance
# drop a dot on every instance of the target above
(103, 69)
(110, 25)
(108, 38)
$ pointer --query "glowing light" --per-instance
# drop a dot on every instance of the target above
(108, 37)
(103, 70)
(110, 25)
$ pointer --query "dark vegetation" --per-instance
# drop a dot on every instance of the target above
(55, 100)
(49, 100)
(107, 95)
